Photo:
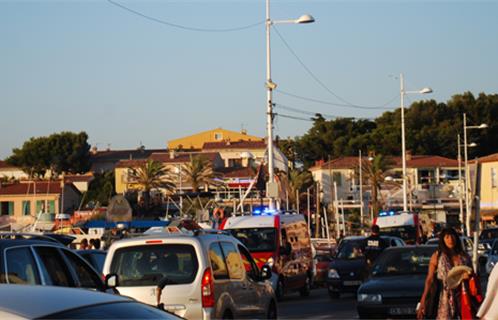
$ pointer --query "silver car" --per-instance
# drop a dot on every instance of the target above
(210, 275)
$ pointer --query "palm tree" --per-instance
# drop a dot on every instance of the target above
(375, 169)
(294, 182)
(151, 175)
(199, 173)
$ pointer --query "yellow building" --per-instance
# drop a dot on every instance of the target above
(32, 197)
(489, 186)
(197, 140)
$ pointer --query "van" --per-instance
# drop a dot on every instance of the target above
(210, 275)
(283, 242)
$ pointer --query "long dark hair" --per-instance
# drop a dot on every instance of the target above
(457, 249)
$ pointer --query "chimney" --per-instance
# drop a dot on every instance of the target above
(172, 154)
(243, 131)
(94, 150)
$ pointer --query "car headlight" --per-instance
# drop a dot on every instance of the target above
(270, 262)
(333, 274)
(370, 298)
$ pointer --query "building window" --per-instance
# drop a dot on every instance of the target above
(494, 178)
(218, 136)
(51, 206)
(40, 206)
(337, 178)
(7, 208)
(26, 208)
(235, 163)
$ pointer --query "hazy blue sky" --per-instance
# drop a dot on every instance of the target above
(124, 79)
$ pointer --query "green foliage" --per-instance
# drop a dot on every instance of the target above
(431, 129)
(60, 152)
(199, 173)
(101, 189)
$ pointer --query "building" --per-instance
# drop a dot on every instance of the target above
(28, 198)
(106, 160)
(10, 172)
(80, 181)
(488, 187)
(197, 141)
(432, 183)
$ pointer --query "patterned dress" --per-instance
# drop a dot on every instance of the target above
(447, 300)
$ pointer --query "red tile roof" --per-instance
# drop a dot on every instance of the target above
(416, 161)
(79, 178)
(245, 172)
(489, 158)
(129, 163)
(261, 144)
(23, 188)
(5, 165)
(183, 157)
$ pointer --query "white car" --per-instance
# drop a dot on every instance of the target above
(209, 275)
(50, 302)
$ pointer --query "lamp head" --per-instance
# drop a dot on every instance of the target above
(483, 126)
(472, 145)
(425, 90)
(305, 18)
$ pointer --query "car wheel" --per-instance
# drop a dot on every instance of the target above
(305, 291)
(272, 311)
(280, 290)
(364, 316)
(334, 294)
(227, 315)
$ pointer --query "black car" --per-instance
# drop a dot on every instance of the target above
(42, 262)
(486, 239)
(396, 283)
(348, 267)
(95, 257)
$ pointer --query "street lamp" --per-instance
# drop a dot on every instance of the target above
(403, 147)
(271, 188)
(460, 185)
(467, 173)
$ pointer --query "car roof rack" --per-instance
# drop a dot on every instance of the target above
(199, 232)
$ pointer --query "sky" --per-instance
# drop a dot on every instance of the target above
(133, 73)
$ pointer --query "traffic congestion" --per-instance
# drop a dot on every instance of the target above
(247, 267)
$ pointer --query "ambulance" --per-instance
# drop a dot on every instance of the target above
(280, 240)
(405, 225)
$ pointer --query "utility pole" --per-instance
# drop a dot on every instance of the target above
(361, 193)
(317, 213)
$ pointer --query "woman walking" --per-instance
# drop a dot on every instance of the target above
(449, 254)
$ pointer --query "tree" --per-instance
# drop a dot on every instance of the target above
(295, 181)
(199, 173)
(60, 152)
(375, 169)
(151, 175)
(101, 189)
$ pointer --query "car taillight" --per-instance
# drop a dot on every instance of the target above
(207, 289)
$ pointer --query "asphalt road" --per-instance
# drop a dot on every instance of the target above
(317, 306)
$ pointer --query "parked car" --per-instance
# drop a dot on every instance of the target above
(492, 257)
(322, 268)
(396, 283)
(211, 275)
(348, 267)
(47, 302)
(486, 239)
(95, 257)
(467, 243)
(41, 262)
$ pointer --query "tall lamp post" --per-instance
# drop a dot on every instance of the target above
(403, 92)
(460, 184)
(270, 86)
(467, 173)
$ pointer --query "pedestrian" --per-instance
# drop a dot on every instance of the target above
(84, 244)
(438, 299)
(91, 244)
(96, 243)
(489, 307)
(374, 245)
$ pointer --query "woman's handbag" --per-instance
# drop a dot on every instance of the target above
(431, 302)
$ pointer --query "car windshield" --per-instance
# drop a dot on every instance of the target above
(494, 250)
(351, 249)
(407, 233)
(489, 234)
(146, 265)
(256, 239)
(405, 261)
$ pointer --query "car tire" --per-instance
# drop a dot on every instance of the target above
(305, 291)
(364, 316)
(272, 311)
(227, 315)
(279, 292)
(334, 295)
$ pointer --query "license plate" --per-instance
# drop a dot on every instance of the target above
(401, 311)
(351, 283)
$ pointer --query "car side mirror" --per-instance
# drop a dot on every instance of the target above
(265, 272)
(111, 280)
